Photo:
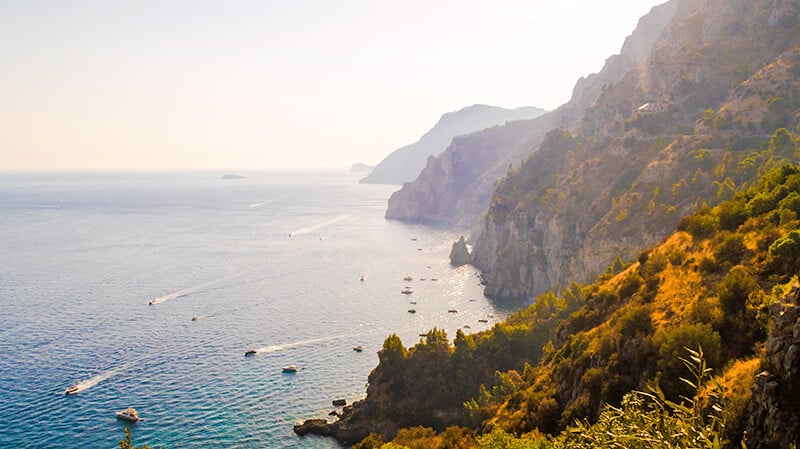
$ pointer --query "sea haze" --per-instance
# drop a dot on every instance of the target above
(271, 263)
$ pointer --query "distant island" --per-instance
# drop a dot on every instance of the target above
(359, 167)
(230, 176)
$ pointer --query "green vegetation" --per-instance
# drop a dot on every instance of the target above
(126, 443)
(573, 365)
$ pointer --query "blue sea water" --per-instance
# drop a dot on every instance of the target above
(272, 263)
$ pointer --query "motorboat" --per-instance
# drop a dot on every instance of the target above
(250, 353)
(408, 278)
(196, 318)
(412, 311)
(129, 414)
(72, 390)
(407, 291)
(290, 369)
(452, 311)
(363, 278)
(483, 321)
(358, 348)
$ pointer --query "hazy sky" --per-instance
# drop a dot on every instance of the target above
(138, 84)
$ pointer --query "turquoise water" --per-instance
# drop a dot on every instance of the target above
(272, 263)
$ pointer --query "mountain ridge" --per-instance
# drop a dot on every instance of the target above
(456, 186)
(405, 163)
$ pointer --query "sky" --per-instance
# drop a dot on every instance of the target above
(277, 84)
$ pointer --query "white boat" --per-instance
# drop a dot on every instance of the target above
(72, 390)
(129, 414)
(358, 348)
(290, 369)
(196, 317)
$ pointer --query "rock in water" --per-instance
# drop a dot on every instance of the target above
(460, 254)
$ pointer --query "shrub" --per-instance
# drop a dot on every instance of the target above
(730, 249)
(673, 342)
(786, 252)
(734, 290)
(708, 265)
(629, 285)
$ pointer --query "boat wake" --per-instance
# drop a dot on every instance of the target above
(91, 382)
(194, 289)
(311, 229)
(281, 347)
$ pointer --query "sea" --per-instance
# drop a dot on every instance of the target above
(146, 289)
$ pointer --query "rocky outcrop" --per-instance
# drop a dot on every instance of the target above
(774, 409)
(404, 164)
(455, 187)
(460, 253)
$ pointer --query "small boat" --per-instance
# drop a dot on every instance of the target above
(413, 239)
(434, 279)
(467, 326)
(151, 302)
(363, 278)
(490, 315)
(72, 390)
(358, 348)
(452, 311)
(129, 414)
(407, 291)
(422, 279)
(423, 335)
(196, 318)
(413, 303)
(483, 321)
(472, 300)
(408, 278)
(250, 353)
(290, 369)
(412, 311)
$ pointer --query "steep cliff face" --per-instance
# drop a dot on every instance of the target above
(404, 164)
(774, 411)
(456, 186)
(650, 150)
(453, 187)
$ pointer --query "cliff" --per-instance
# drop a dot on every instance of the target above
(404, 164)
(774, 413)
(723, 282)
(678, 131)
(456, 186)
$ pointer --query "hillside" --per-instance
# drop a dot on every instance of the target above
(404, 164)
(725, 282)
(700, 134)
(681, 130)
(456, 186)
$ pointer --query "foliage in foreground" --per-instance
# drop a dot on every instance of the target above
(642, 421)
